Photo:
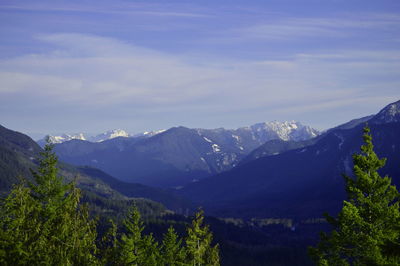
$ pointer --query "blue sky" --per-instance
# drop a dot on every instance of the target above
(90, 66)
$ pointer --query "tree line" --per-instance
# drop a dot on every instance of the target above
(43, 223)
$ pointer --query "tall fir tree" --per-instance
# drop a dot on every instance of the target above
(199, 249)
(52, 228)
(135, 248)
(109, 245)
(130, 245)
(172, 251)
(151, 255)
(367, 230)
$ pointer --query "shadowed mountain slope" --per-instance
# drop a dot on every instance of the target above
(304, 182)
(19, 153)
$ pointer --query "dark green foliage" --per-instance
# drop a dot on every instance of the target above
(151, 256)
(131, 245)
(136, 248)
(173, 253)
(18, 227)
(199, 250)
(43, 224)
(366, 231)
(109, 245)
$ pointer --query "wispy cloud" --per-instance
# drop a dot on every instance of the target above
(118, 8)
(333, 27)
(95, 72)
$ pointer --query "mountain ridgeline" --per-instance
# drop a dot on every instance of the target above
(115, 133)
(266, 170)
(180, 155)
(19, 153)
(302, 182)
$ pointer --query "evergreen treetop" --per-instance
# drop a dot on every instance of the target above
(42, 224)
(366, 231)
(199, 249)
(172, 251)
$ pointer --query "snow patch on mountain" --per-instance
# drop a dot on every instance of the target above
(65, 137)
(341, 139)
(237, 138)
(216, 148)
(206, 139)
(80, 136)
(283, 130)
(109, 135)
(389, 114)
(149, 134)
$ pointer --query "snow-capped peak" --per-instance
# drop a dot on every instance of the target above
(391, 113)
(98, 138)
(109, 135)
(283, 130)
(149, 133)
(65, 137)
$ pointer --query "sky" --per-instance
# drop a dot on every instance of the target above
(94, 65)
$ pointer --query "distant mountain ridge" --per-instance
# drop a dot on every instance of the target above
(283, 130)
(303, 181)
(389, 114)
(19, 153)
(111, 134)
(261, 131)
(81, 136)
(179, 155)
(275, 147)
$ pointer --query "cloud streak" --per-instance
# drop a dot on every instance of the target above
(340, 26)
(118, 8)
(94, 72)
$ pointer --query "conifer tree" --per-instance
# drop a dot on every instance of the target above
(151, 255)
(52, 228)
(130, 245)
(199, 250)
(18, 227)
(172, 252)
(109, 245)
(136, 249)
(367, 230)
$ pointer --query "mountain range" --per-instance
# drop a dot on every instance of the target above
(19, 153)
(251, 172)
(111, 134)
(115, 133)
(299, 179)
(180, 155)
